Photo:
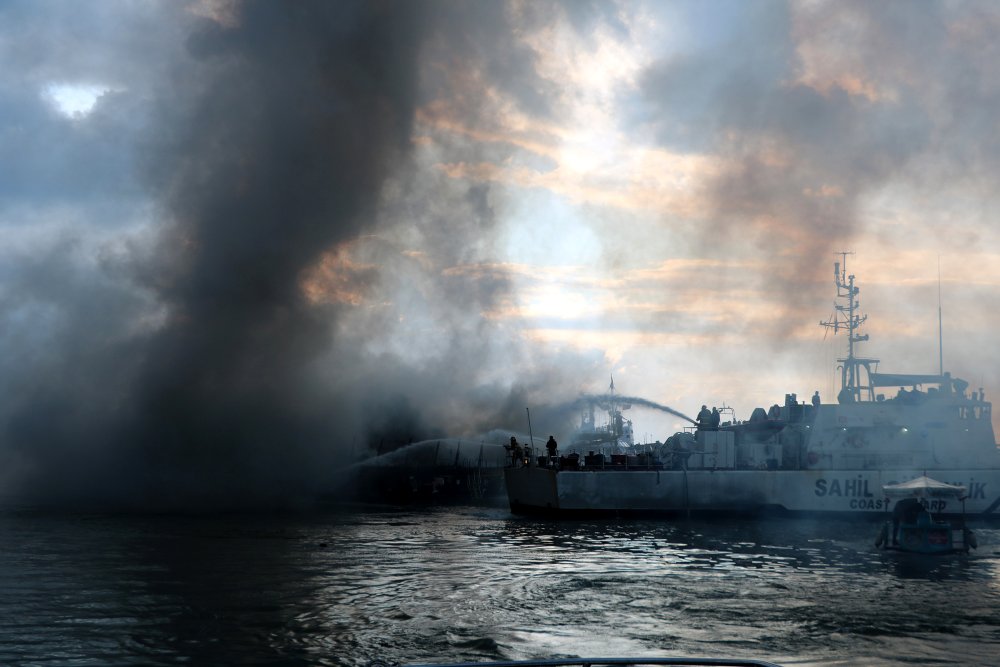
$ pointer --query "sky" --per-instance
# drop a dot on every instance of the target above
(243, 243)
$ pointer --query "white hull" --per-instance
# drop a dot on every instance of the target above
(533, 489)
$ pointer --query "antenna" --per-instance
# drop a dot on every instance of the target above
(846, 317)
(940, 326)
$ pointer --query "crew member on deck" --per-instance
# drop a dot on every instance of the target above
(816, 400)
(515, 451)
(905, 511)
(551, 447)
(716, 419)
(704, 418)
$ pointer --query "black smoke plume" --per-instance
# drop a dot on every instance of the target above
(271, 138)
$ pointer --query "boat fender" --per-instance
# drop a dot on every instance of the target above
(883, 535)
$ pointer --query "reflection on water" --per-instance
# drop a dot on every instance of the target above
(464, 584)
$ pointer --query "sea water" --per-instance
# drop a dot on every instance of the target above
(352, 585)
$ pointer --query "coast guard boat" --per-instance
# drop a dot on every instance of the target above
(797, 457)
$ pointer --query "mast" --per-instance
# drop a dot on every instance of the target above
(846, 316)
(613, 410)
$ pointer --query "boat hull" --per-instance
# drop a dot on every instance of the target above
(545, 490)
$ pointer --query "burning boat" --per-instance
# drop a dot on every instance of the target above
(614, 436)
(431, 472)
(795, 457)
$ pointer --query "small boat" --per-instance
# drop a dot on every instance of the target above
(914, 529)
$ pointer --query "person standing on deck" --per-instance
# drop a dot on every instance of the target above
(515, 451)
(704, 418)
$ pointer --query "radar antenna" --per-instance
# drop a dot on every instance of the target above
(847, 317)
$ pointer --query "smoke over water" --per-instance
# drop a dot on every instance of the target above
(244, 244)
(272, 135)
(235, 347)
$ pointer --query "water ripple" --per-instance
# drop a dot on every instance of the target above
(471, 584)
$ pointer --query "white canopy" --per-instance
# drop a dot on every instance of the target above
(924, 487)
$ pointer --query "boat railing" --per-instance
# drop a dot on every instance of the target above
(601, 662)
